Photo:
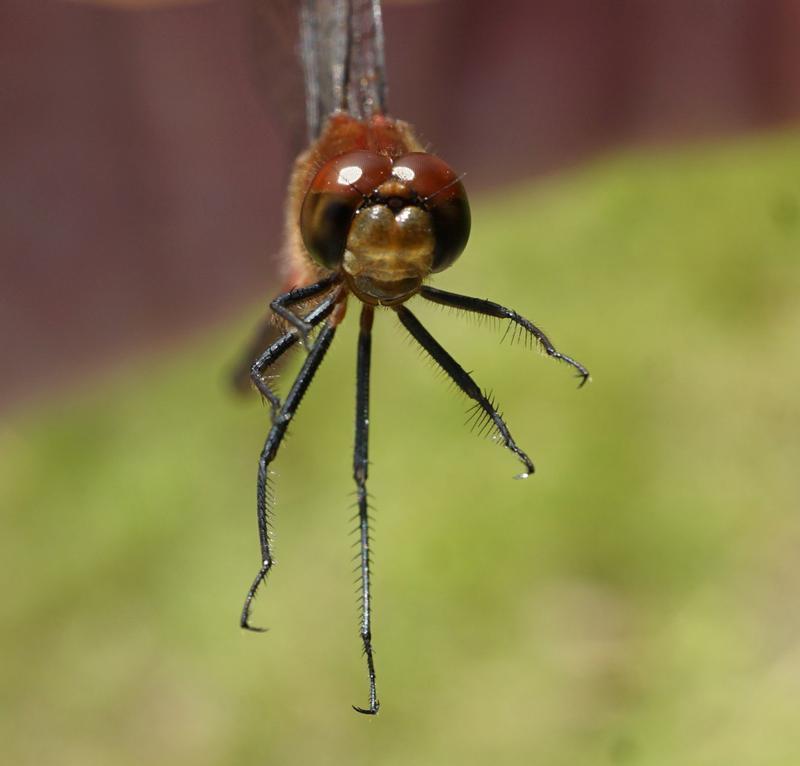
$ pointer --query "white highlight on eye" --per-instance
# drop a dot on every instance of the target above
(349, 175)
(403, 173)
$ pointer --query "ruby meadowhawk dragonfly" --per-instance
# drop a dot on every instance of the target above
(370, 216)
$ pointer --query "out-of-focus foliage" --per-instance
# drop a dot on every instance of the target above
(635, 602)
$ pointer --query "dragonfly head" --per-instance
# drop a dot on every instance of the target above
(385, 224)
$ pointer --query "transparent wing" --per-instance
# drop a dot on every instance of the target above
(341, 43)
(273, 35)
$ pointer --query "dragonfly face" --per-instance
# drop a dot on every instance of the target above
(370, 216)
(386, 223)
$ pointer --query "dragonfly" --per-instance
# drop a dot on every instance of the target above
(370, 217)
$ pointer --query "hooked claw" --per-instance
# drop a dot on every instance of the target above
(373, 710)
(245, 625)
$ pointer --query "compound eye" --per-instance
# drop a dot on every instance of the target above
(337, 191)
(444, 197)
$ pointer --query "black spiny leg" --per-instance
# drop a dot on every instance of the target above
(277, 349)
(266, 333)
(360, 465)
(487, 308)
(279, 305)
(271, 446)
(463, 380)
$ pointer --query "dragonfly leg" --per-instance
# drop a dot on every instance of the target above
(268, 453)
(279, 347)
(266, 333)
(485, 410)
(487, 308)
(280, 305)
(360, 468)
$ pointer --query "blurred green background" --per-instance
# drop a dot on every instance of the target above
(635, 602)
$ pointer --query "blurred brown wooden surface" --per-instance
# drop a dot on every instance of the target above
(142, 174)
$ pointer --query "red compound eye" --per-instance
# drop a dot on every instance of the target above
(337, 191)
(443, 195)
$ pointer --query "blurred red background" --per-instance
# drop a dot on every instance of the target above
(143, 173)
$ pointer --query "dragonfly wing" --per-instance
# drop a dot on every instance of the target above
(273, 53)
(343, 59)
